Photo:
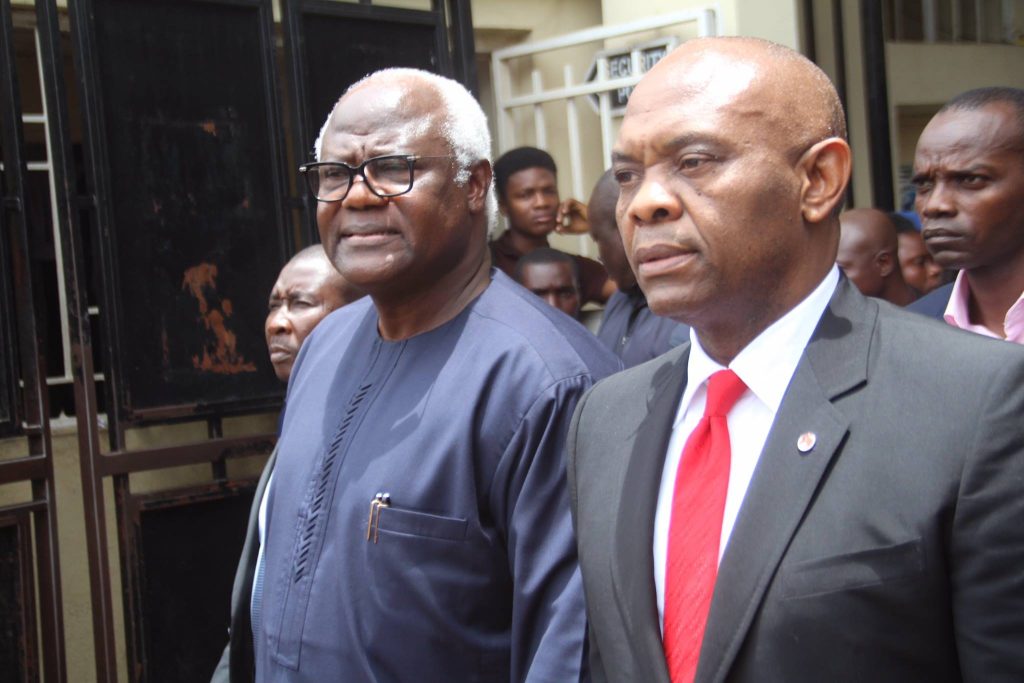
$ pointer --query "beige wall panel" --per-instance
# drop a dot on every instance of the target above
(775, 20)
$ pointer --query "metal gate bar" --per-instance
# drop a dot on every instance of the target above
(37, 467)
(80, 333)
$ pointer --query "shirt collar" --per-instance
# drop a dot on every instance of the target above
(766, 365)
(958, 313)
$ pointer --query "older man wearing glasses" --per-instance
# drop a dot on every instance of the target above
(417, 526)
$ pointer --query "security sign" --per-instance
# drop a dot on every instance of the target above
(620, 65)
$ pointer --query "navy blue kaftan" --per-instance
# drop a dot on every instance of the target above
(470, 573)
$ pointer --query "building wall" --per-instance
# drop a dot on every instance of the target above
(775, 20)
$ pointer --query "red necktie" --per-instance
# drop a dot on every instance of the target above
(695, 529)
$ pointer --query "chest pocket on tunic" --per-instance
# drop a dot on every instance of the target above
(406, 522)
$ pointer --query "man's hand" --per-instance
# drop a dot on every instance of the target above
(571, 218)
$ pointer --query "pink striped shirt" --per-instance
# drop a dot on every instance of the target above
(957, 313)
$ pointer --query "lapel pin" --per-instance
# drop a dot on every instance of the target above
(806, 442)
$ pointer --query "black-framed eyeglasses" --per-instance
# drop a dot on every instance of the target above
(385, 176)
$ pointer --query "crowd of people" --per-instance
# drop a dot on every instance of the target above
(768, 464)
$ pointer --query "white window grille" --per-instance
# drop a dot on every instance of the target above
(618, 57)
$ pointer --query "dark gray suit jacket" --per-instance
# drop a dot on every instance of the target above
(892, 551)
(237, 663)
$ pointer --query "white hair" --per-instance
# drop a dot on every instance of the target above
(463, 125)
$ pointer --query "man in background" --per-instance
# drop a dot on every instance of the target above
(919, 268)
(307, 289)
(526, 179)
(868, 255)
(628, 327)
(969, 179)
(553, 276)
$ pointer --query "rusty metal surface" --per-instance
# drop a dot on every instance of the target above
(204, 361)
(187, 162)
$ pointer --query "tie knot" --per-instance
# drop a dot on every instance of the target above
(724, 389)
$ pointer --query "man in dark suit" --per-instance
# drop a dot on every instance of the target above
(841, 500)
(969, 179)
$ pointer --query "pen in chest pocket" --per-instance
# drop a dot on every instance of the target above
(381, 500)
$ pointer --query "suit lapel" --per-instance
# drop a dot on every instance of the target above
(633, 562)
(786, 479)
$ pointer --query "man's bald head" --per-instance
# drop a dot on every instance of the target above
(732, 165)
(867, 249)
(868, 226)
(339, 290)
(793, 92)
(603, 198)
(307, 289)
(605, 231)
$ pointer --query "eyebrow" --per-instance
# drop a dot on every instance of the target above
(970, 169)
(676, 143)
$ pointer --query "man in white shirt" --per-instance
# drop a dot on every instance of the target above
(797, 494)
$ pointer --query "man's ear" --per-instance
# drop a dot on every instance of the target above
(826, 172)
(886, 261)
(478, 185)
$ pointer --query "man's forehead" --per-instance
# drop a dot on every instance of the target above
(736, 88)
(707, 78)
(304, 272)
(391, 109)
(964, 136)
(698, 95)
(548, 268)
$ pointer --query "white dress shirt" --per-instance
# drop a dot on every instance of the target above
(766, 365)
(261, 525)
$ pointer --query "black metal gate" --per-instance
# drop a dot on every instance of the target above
(174, 215)
(28, 529)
